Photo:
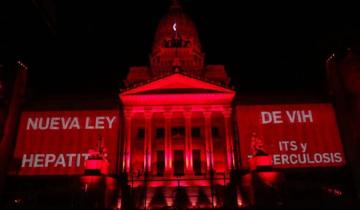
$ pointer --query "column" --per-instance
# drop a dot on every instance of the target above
(127, 143)
(228, 136)
(188, 144)
(167, 143)
(208, 141)
(148, 142)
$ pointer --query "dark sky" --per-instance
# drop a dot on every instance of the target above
(86, 46)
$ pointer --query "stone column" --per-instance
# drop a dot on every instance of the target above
(229, 141)
(148, 142)
(167, 143)
(188, 144)
(208, 141)
(127, 143)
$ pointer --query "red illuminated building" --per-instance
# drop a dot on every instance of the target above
(178, 136)
(177, 120)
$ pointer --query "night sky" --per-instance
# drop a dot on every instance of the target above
(85, 46)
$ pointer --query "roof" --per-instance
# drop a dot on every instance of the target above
(177, 88)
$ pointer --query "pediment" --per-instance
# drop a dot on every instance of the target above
(176, 84)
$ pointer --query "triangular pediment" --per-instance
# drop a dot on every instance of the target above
(177, 83)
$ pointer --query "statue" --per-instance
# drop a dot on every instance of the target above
(97, 160)
(103, 153)
(257, 145)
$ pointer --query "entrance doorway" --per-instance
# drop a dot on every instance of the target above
(179, 163)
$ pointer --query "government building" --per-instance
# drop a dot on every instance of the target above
(178, 136)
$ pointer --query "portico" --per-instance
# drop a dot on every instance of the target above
(186, 123)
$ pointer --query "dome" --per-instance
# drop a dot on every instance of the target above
(176, 23)
(176, 44)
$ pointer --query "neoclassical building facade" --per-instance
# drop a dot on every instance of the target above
(179, 136)
(177, 113)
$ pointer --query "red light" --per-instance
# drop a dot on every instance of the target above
(333, 191)
(18, 201)
(118, 204)
(239, 201)
(260, 161)
(269, 177)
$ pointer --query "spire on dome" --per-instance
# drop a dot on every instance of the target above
(175, 4)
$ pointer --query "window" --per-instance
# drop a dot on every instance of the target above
(160, 133)
(141, 133)
(160, 163)
(215, 132)
(177, 131)
(196, 162)
(195, 132)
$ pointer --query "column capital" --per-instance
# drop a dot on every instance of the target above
(227, 113)
(148, 114)
(128, 114)
(168, 114)
(187, 114)
(207, 114)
